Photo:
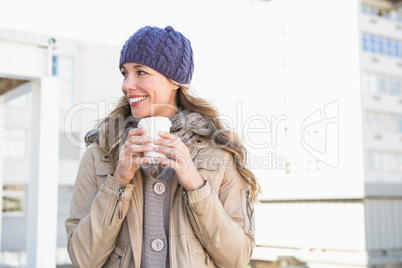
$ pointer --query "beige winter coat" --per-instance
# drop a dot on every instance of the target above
(209, 227)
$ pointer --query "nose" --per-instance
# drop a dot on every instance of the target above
(129, 84)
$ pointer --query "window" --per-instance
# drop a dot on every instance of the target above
(368, 120)
(15, 143)
(382, 85)
(63, 67)
(370, 161)
(365, 42)
(373, 43)
(395, 123)
(400, 124)
(394, 162)
(21, 101)
(376, 122)
(399, 14)
(392, 85)
(54, 66)
(64, 197)
(67, 150)
(376, 161)
(365, 9)
(377, 11)
(379, 83)
(398, 87)
(399, 163)
(386, 266)
(381, 45)
(390, 47)
(373, 83)
(13, 198)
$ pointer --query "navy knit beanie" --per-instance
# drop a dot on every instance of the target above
(164, 50)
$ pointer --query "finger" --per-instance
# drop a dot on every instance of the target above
(144, 160)
(175, 153)
(166, 135)
(166, 162)
(170, 140)
(139, 139)
(138, 149)
(169, 136)
(134, 151)
(136, 162)
(164, 150)
(137, 132)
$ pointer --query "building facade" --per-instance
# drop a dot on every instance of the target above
(84, 93)
(339, 202)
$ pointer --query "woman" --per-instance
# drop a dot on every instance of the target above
(191, 209)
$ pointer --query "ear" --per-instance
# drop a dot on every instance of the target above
(175, 86)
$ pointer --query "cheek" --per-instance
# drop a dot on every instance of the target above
(163, 94)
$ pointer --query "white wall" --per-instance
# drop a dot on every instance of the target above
(16, 64)
(320, 81)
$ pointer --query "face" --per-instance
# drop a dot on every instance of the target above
(149, 92)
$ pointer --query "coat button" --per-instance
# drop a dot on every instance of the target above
(159, 188)
(157, 245)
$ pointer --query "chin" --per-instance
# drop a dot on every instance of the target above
(138, 114)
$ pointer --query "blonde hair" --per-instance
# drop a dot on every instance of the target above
(111, 135)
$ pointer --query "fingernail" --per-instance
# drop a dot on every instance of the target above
(162, 132)
(156, 148)
(156, 141)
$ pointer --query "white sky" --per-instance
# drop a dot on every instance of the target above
(224, 34)
(113, 21)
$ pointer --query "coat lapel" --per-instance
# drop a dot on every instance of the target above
(135, 218)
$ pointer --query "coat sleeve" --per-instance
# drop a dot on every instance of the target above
(93, 223)
(222, 216)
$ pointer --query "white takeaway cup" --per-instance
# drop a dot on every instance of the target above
(154, 126)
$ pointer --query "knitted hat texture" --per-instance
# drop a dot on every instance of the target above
(164, 50)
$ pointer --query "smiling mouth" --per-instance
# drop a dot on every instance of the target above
(136, 100)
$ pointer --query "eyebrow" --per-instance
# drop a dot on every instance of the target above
(136, 66)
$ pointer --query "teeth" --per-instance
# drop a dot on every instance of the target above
(134, 100)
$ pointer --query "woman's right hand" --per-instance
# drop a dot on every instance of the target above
(131, 155)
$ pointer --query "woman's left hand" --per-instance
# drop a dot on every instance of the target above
(180, 161)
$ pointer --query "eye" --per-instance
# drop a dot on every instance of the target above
(124, 74)
(139, 72)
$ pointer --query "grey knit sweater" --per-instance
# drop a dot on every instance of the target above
(155, 241)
